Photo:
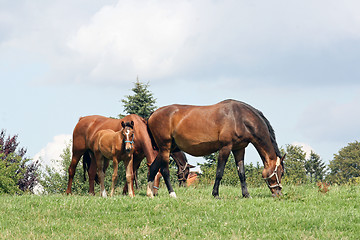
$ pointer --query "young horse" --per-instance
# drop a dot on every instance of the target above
(228, 126)
(116, 146)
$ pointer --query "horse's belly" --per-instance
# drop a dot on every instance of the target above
(197, 147)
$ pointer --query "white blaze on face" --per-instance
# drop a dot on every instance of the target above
(127, 134)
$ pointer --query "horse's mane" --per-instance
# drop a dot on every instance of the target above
(128, 124)
(271, 131)
(270, 128)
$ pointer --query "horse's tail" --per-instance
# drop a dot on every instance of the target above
(153, 143)
(86, 166)
(86, 163)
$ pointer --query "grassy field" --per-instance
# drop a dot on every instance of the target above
(302, 213)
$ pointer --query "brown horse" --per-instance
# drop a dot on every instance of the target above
(228, 126)
(117, 146)
(83, 135)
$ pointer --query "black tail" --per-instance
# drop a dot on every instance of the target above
(86, 163)
(153, 143)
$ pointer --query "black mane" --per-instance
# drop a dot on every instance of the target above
(270, 128)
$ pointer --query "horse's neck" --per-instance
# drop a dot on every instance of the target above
(266, 151)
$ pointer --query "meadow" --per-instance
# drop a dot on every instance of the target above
(302, 213)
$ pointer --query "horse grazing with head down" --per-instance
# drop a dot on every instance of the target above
(228, 126)
(117, 146)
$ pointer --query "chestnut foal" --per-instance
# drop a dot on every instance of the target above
(118, 146)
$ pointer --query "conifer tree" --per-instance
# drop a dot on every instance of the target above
(142, 102)
(315, 167)
(294, 164)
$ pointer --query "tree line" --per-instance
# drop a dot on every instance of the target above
(19, 174)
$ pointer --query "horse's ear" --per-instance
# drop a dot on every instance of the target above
(132, 124)
(283, 157)
(191, 166)
(123, 124)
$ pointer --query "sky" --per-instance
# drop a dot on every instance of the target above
(296, 61)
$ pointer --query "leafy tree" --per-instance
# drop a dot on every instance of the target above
(294, 165)
(55, 180)
(17, 173)
(315, 167)
(254, 175)
(141, 102)
(346, 164)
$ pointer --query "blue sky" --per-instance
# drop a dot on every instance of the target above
(296, 61)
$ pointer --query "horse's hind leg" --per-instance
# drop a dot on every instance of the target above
(162, 162)
(165, 172)
(223, 157)
(72, 168)
(239, 161)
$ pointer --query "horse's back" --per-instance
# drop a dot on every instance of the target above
(200, 130)
(104, 141)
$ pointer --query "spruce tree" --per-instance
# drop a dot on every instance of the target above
(294, 165)
(142, 102)
(315, 167)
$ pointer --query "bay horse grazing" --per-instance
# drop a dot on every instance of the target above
(228, 126)
(83, 135)
(116, 146)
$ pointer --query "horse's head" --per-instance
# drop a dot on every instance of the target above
(183, 174)
(273, 174)
(128, 135)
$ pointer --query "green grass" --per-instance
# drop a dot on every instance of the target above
(302, 213)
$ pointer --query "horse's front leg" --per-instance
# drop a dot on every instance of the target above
(100, 172)
(130, 175)
(92, 174)
(223, 157)
(239, 161)
(156, 183)
(115, 175)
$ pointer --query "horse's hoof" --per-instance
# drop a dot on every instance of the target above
(217, 197)
(247, 196)
(149, 190)
(173, 195)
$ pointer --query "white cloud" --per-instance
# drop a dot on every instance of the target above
(247, 41)
(49, 154)
(133, 37)
(306, 147)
